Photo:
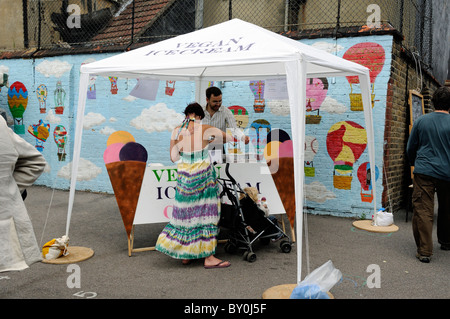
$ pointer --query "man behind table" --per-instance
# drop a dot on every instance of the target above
(218, 116)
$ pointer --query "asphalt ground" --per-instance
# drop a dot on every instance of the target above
(373, 265)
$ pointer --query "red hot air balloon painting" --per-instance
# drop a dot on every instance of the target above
(316, 92)
(40, 131)
(114, 88)
(364, 176)
(17, 102)
(370, 55)
(346, 141)
(257, 88)
(170, 88)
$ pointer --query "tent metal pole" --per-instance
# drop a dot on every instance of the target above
(82, 93)
(296, 83)
(364, 81)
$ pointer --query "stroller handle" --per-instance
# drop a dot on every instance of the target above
(227, 171)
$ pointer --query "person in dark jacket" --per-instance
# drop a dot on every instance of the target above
(428, 150)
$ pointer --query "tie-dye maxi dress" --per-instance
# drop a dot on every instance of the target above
(192, 230)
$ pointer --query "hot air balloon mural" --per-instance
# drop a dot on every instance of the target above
(40, 131)
(257, 88)
(60, 96)
(259, 130)
(370, 55)
(170, 88)
(60, 136)
(41, 93)
(17, 102)
(241, 115)
(316, 91)
(346, 141)
(114, 88)
(364, 178)
(311, 148)
(92, 93)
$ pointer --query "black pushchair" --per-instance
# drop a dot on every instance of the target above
(245, 222)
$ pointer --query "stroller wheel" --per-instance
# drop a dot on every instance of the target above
(230, 247)
(250, 256)
(285, 247)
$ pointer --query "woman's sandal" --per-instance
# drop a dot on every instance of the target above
(221, 264)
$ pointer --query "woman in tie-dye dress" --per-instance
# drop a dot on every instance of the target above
(192, 230)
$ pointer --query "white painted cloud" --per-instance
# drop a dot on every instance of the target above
(112, 119)
(86, 170)
(279, 107)
(54, 68)
(92, 119)
(130, 98)
(107, 130)
(330, 105)
(3, 69)
(317, 192)
(328, 47)
(47, 168)
(52, 118)
(157, 118)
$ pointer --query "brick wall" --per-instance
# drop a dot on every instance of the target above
(405, 75)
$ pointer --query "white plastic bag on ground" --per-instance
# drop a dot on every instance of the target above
(383, 218)
(56, 248)
(318, 283)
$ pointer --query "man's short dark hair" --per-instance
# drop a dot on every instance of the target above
(194, 108)
(214, 91)
(441, 98)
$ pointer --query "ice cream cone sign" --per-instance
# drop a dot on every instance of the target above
(125, 162)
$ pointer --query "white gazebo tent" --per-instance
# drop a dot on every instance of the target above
(233, 50)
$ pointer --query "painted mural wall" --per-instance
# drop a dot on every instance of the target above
(41, 100)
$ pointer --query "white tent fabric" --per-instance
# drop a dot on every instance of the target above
(233, 50)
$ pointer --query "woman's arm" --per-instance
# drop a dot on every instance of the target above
(219, 135)
(174, 150)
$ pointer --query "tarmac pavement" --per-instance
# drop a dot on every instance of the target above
(111, 274)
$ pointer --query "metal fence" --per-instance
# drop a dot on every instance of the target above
(56, 24)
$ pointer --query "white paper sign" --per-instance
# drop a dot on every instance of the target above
(276, 89)
(157, 194)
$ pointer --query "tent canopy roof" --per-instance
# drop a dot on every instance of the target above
(232, 50)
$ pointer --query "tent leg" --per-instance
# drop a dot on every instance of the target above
(292, 233)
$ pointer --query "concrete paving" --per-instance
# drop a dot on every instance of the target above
(111, 274)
